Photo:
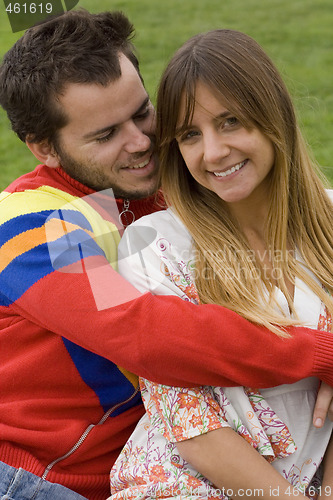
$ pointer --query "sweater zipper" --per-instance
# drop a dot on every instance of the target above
(87, 432)
(126, 217)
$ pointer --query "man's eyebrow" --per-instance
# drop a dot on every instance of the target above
(101, 131)
(142, 107)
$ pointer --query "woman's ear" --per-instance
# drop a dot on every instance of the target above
(44, 152)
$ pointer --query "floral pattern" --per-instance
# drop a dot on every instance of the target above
(150, 466)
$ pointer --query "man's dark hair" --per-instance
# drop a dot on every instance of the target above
(75, 47)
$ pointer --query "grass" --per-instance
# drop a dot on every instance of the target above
(297, 34)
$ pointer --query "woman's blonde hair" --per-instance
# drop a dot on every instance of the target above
(244, 78)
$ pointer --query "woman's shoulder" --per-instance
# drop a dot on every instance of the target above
(165, 222)
(163, 225)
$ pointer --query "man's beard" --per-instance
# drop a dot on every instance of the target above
(97, 180)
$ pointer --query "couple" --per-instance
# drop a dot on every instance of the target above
(71, 340)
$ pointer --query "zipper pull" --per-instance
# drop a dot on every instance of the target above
(126, 217)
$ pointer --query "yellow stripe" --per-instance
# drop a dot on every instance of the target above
(32, 200)
(49, 198)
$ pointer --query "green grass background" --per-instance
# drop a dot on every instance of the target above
(297, 34)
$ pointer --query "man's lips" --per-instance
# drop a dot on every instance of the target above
(144, 167)
(140, 165)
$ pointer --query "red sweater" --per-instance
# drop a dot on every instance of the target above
(71, 328)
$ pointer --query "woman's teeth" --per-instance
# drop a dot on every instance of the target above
(231, 170)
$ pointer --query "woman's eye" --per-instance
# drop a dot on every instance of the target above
(190, 134)
(231, 121)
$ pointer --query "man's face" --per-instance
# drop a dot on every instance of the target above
(109, 141)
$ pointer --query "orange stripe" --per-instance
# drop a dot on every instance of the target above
(51, 231)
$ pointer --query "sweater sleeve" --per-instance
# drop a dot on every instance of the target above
(161, 338)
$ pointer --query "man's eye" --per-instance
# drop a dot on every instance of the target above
(143, 115)
(105, 138)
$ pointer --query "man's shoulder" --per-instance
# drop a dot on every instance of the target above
(42, 182)
(40, 176)
(30, 200)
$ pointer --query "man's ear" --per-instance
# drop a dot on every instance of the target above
(45, 153)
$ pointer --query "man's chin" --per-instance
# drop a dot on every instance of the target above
(136, 193)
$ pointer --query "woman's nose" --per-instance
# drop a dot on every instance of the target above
(215, 148)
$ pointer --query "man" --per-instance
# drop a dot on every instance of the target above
(70, 326)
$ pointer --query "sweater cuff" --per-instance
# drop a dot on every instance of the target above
(323, 357)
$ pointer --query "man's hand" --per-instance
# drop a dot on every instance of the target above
(324, 405)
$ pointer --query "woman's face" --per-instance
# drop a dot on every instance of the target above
(222, 155)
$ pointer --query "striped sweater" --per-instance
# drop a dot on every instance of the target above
(71, 329)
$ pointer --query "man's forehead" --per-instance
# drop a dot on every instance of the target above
(105, 105)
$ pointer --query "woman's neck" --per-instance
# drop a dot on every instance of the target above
(251, 216)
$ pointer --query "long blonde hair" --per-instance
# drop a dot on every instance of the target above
(300, 214)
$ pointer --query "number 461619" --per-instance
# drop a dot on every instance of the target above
(29, 8)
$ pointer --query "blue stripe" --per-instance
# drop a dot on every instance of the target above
(33, 220)
(22, 223)
(72, 247)
(26, 269)
(23, 272)
(103, 377)
(72, 216)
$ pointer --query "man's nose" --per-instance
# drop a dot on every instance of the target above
(136, 139)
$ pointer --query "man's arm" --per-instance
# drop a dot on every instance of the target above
(163, 339)
(174, 342)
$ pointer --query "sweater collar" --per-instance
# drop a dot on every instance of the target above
(78, 186)
(129, 210)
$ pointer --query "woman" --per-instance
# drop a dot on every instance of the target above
(249, 228)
